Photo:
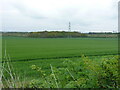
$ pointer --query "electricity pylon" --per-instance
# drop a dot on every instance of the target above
(69, 27)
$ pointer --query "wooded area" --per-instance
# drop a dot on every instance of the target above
(59, 34)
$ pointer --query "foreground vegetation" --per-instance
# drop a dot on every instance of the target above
(84, 72)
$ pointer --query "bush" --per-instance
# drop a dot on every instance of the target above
(86, 73)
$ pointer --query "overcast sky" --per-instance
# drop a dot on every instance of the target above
(36, 15)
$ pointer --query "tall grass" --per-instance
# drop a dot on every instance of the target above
(9, 77)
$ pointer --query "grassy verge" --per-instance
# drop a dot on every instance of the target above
(84, 72)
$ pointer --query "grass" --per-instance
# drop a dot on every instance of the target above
(20, 48)
(84, 72)
(32, 48)
(0, 59)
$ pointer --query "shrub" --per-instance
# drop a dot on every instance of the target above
(86, 73)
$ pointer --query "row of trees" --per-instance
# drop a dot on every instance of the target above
(60, 34)
(56, 34)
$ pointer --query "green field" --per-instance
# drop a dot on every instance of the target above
(32, 48)
(56, 51)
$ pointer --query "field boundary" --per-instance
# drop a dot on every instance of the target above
(33, 59)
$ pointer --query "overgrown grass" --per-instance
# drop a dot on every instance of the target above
(84, 72)
(9, 77)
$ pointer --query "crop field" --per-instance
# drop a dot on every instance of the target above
(35, 48)
(69, 59)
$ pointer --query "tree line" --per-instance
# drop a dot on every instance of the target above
(56, 34)
(61, 34)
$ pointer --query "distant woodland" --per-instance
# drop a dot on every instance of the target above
(59, 34)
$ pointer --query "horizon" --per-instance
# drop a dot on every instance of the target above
(65, 31)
